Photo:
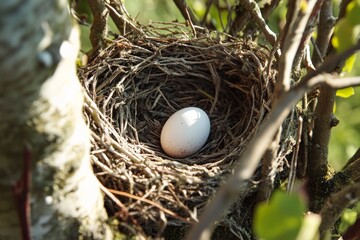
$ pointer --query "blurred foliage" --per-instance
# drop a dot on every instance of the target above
(346, 32)
(345, 138)
(283, 218)
(348, 218)
(145, 11)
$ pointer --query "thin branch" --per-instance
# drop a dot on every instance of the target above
(157, 205)
(293, 165)
(325, 30)
(353, 158)
(352, 170)
(335, 205)
(269, 169)
(306, 36)
(249, 160)
(115, 12)
(291, 44)
(241, 18)
(120, 20)
(98, 31)
(343, 6)
(186, 11)
(255, 12)
(208, 6)
(269, 8)
(332, 62)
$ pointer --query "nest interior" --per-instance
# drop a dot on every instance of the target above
(135, 85)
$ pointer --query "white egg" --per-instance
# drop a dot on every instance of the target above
(185, 132)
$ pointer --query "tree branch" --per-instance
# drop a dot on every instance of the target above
(115, 13)
(255, 12)
(325, 30)
(309, 29)
(98, 31)
(253, 9)
(354, 158)
(335, 205)
(269, 8)
(186, 11)
(290, 46)
(120, 20)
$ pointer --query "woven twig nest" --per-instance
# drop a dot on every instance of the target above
(136, 84)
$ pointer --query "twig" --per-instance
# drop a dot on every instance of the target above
(306, 36)
(241, 18)
(119, 20)
(293, 165)
(186, 11)
(269, 8)
(351, 171)
(208, 6)
(250, 158)
(353, 158)
(335, 205)
(255, 12)
(343, 6)
(270, 165)
(325, 30)
(167, 211)
(290, 46)
(124, 211)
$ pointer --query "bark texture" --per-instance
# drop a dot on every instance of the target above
(41, 115)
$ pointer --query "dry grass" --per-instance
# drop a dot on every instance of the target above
(131, 90)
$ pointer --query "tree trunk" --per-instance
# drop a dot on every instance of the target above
(44, 144)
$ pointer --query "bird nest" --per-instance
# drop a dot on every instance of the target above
(135, 85)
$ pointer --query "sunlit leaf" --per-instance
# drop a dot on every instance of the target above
(352, 12)
(343, 35)
(303, 6)
(281, 218)
(349, 64)
(348, 218)
(345, 92)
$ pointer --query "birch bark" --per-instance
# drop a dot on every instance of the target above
(44, 143)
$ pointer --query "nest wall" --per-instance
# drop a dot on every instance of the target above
(135, 85)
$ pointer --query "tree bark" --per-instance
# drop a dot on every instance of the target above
(44, 149)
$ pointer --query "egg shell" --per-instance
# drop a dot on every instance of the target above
(185, 132)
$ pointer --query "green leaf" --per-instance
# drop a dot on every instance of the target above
(352, 12)
(349, 63)
(345, 92)
(281, 218)
(343, 35)
(348, 218)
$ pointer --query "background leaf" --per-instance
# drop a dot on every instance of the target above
(281, 218)
(345, 92)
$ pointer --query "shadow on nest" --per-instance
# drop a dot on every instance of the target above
(133, 87)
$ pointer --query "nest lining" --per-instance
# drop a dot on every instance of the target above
(135, 85)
